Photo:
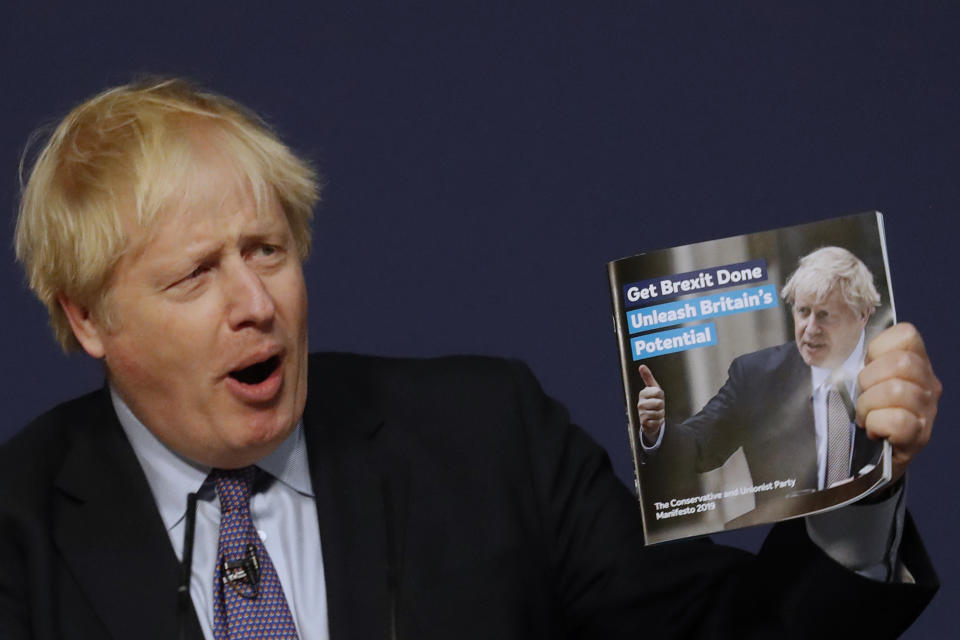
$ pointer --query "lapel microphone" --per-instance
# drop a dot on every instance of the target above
(236, 573)
(243, 575)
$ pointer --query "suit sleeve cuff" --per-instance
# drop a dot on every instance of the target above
(865, 538)
(650, 448)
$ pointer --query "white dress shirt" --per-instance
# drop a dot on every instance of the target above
(284, 513)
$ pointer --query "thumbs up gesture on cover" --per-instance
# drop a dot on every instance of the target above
(651, 406)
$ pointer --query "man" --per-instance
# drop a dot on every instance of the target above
(212, 485)
(776, 403)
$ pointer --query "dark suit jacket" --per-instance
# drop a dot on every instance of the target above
(451, 492)
(766, 407)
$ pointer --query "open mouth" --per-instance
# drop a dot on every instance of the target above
(256, 373)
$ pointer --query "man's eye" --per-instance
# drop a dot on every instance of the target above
(199, 271)
(269, 253)
(264, 250)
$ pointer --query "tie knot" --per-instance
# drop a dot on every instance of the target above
(233, 487)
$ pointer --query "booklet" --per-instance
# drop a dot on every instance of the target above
(739, 359)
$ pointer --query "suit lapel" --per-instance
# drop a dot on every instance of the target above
(110, 533)
(358, 499)
(804, 432)
(115, 545)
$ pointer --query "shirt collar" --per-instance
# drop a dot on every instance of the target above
(172, 476)
(848, 370)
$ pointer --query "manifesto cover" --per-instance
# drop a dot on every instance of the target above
(739, 359)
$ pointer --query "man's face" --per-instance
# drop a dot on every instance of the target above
(826, 332)
(207, 342)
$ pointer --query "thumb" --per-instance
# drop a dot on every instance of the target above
(647, 376)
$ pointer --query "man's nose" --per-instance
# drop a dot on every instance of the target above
(813, 326)
(250, 303)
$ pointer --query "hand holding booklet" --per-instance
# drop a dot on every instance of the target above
(739, 359)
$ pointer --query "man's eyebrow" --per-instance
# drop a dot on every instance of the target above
(188, 257)
(201, 252)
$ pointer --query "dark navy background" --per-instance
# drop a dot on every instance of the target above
(485, 160)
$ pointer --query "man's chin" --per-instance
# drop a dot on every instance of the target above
(814, 356)
(255, 428)
(250, 448)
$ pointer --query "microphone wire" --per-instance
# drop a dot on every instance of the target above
(393, 566)
(186, 568)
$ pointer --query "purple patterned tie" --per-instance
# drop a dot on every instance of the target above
(248, 600)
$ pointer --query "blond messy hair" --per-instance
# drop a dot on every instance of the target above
(127, 154)
(825, 269)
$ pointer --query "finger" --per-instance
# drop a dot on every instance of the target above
(902, 336)
(651, 404)
(906, 365)
(651, 418)
(907, 433)
(650, 392)
(651, 423)
(903, 429)
(897, 393)
(647, 376)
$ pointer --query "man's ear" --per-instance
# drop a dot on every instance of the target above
(87, 330)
